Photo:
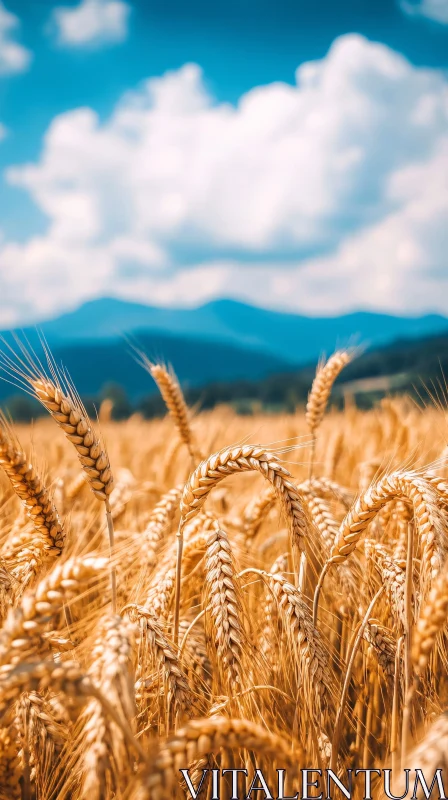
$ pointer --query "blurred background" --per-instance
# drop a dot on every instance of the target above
(234, 187)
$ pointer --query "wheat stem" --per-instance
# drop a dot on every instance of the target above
(113, 573)
(395, 709)
(405, 732)
(348, 676)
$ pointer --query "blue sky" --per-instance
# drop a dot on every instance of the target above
(292, 154)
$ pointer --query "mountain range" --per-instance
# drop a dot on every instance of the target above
(290, 337)
(219, 341)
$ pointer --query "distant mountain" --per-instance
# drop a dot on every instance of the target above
(418, 368)
(293, 338)
(92, 365)
(215, 372)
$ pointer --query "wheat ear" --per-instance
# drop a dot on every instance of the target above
(105, 752)
(272, 625)
(224, 610)
(174, 399)
(230, 461)
(384, 646)
(161, 589)
(328, 490)
(320, 392)
(154, 643)
(25, 555)
(65, 677)
(429, 519)
(393, 577)
(431, 753)
(7, 590)
(71, 416)
(256, 512)
(197, 663)
(433, 618)
(159, 523)
(42, 737)
(307, 644)
(69, 413)
(30, 488)
(246, 458)
(203, 737)
(62, 401)
(38, 606)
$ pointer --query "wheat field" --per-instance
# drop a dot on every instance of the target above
(161, 611)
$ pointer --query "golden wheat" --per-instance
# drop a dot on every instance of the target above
(212, 658)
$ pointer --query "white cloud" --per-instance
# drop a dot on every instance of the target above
(322, 196)
(436, 10)
(92, 22)
(13, 56)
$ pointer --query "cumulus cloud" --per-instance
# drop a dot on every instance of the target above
(436, 10)
(92, 22)
(13, 56)
(321, 196)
